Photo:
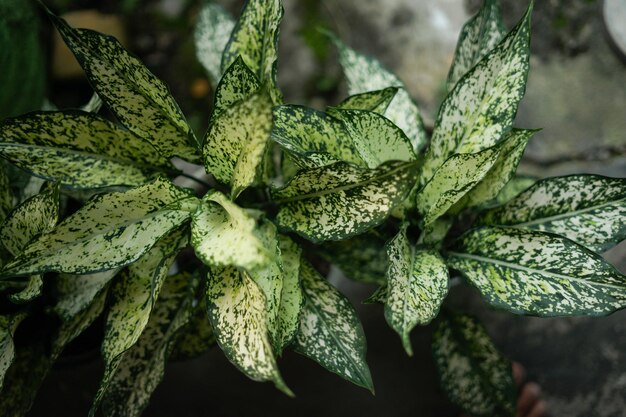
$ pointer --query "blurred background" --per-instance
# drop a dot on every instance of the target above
(576, 92)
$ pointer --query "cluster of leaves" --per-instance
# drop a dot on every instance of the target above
(360, 184)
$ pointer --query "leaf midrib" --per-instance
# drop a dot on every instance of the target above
(534, 271)
(568, 214)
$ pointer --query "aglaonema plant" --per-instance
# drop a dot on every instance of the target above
(360, 184)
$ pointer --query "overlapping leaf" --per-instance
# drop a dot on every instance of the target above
(237, 84)
(6, 196)
(75, 293)
(255, 39)
(530, 272)
(478, 36)
(109, 231)
(472, 372)
(142, 367)
(291, 296)
(455, 178)
(480, 109)
(140, 100)
(237, 311)
(367, 74)
(330, 332)
(417, 283)
(224, 234)
(78, 149)
(8, 325)
(513, 188)
(589, 209)
(237, 141)
(338, 201)
(377, 101)
(211, 34)
(196, 337)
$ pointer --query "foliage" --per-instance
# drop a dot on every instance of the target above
(360, 184)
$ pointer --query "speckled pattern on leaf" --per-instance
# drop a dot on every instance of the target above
(377, 101)
(237, 84)
(338, 201)
(79, 149)
(76, 292)
(537, 273)
(109, 231)
(8, 325)
(417, 283)
(138, 99)
(472, 372)
(255, 39)
(330, 332)
(196, 337)
(291, 297)
(365, 74)
(6, 197)
(589, 209)
(211, 34)
(223, 234)
(237, 311)
(480, 109)
(479, 36)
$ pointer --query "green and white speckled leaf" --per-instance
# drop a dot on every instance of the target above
(255, 39)
(74, 293)
(455, 178)
(132, 300)
(8, 325)
(223, 234)
(478, 36)
(237, 84)
(480, 109)
(375, 137)
(588, 209)
(79, 149)
(291, 297)
(435, 232)
(361, 258)
(237, 140)
(366, 74)
(531, 272)
(303, 130)
(330, 332)
(377, 101)
(472, 372)
(30, 292)
(6, 196)
(142, 367)
(338, 201)
(196, 337)
(211, 34)
(513, 188)
(237, 312)
(138, 99)
(417, 283)
(109, 231)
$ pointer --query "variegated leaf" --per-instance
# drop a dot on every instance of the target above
(434, 233)
(330, 332)
(303, 130)
(588, 209)
(223, 234)
(455, 178)
(8, 325)
(478, 36)
(480, 109)
(255, 39)
(76, 292)
(361, 257)
(375, 137)
(142, 367)
(510, 152)
(109, 231)
(377, 101)
(211, 34)
(513, 188)
(237, 84)
(237, 312)
(291, 296)
(79, 149)
(472, 372)
(340, 200)
(365, 74)
(30, 292)
(6, 196)
(237, 140)
(531, 272)
(417, 283)
(138, 99)
(196, 337)
(133, 299)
